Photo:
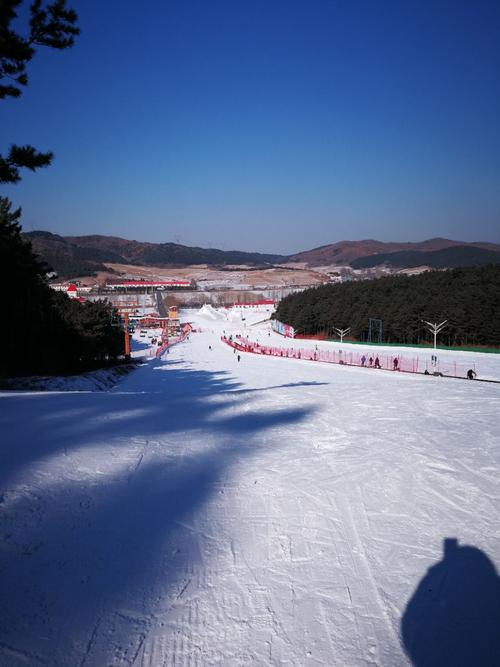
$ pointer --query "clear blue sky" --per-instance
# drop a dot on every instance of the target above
(267, 125)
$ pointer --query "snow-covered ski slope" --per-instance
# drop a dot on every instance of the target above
(270, 511)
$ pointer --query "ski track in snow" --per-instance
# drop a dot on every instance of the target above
(210, 512)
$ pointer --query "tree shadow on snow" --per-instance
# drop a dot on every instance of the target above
(288, 385)
(78, 549)
(176, 400)
(453, 617)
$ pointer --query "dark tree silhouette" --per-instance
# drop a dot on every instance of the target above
(52, 26)
(45, 331)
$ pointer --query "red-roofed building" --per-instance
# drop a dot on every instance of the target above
(73, 291)
(143, 284)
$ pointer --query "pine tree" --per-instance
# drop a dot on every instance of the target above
(45, 331)
(23, 293)
(53, 26)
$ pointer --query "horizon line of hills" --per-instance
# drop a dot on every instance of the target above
(75, 256)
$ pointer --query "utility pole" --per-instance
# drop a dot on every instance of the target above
(435, 328)
(342, 332)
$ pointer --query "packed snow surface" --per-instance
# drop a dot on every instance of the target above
(267, 511)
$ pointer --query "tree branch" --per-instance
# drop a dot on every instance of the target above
(22, 157)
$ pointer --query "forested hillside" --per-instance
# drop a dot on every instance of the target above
(45, 331)
(75, 256)
(468, 298)
(68, 260)
(446, 258)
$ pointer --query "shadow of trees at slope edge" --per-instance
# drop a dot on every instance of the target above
(45, 424)
(75, 552)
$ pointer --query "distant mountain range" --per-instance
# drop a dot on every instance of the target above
(346, 252)
(73, 256)
(447, 258)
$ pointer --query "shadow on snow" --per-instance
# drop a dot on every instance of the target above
(453, 617)
(38, 425)
(77, 548)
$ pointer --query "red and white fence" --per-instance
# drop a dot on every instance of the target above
(170, 342)
(382, 361)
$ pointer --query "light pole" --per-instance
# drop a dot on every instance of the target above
(435, 328)
(342, 332)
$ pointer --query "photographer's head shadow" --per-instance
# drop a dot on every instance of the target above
(453, 617)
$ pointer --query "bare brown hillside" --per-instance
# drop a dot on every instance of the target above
(344, 252)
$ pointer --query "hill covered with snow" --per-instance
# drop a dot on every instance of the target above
(268, 510)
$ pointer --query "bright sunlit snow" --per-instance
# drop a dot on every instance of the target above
(267, 511)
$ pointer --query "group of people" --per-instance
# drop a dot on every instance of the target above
(375, 363)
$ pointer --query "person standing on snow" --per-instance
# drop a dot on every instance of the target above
(377, 362)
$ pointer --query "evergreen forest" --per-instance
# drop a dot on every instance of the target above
(468, 298)
(44, 331)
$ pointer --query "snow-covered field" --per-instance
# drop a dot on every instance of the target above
(267, 511)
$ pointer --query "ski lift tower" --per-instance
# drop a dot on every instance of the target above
(374, 330)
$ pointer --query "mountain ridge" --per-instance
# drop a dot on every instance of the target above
(348, 251)
(75, 256)
(446, 258)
